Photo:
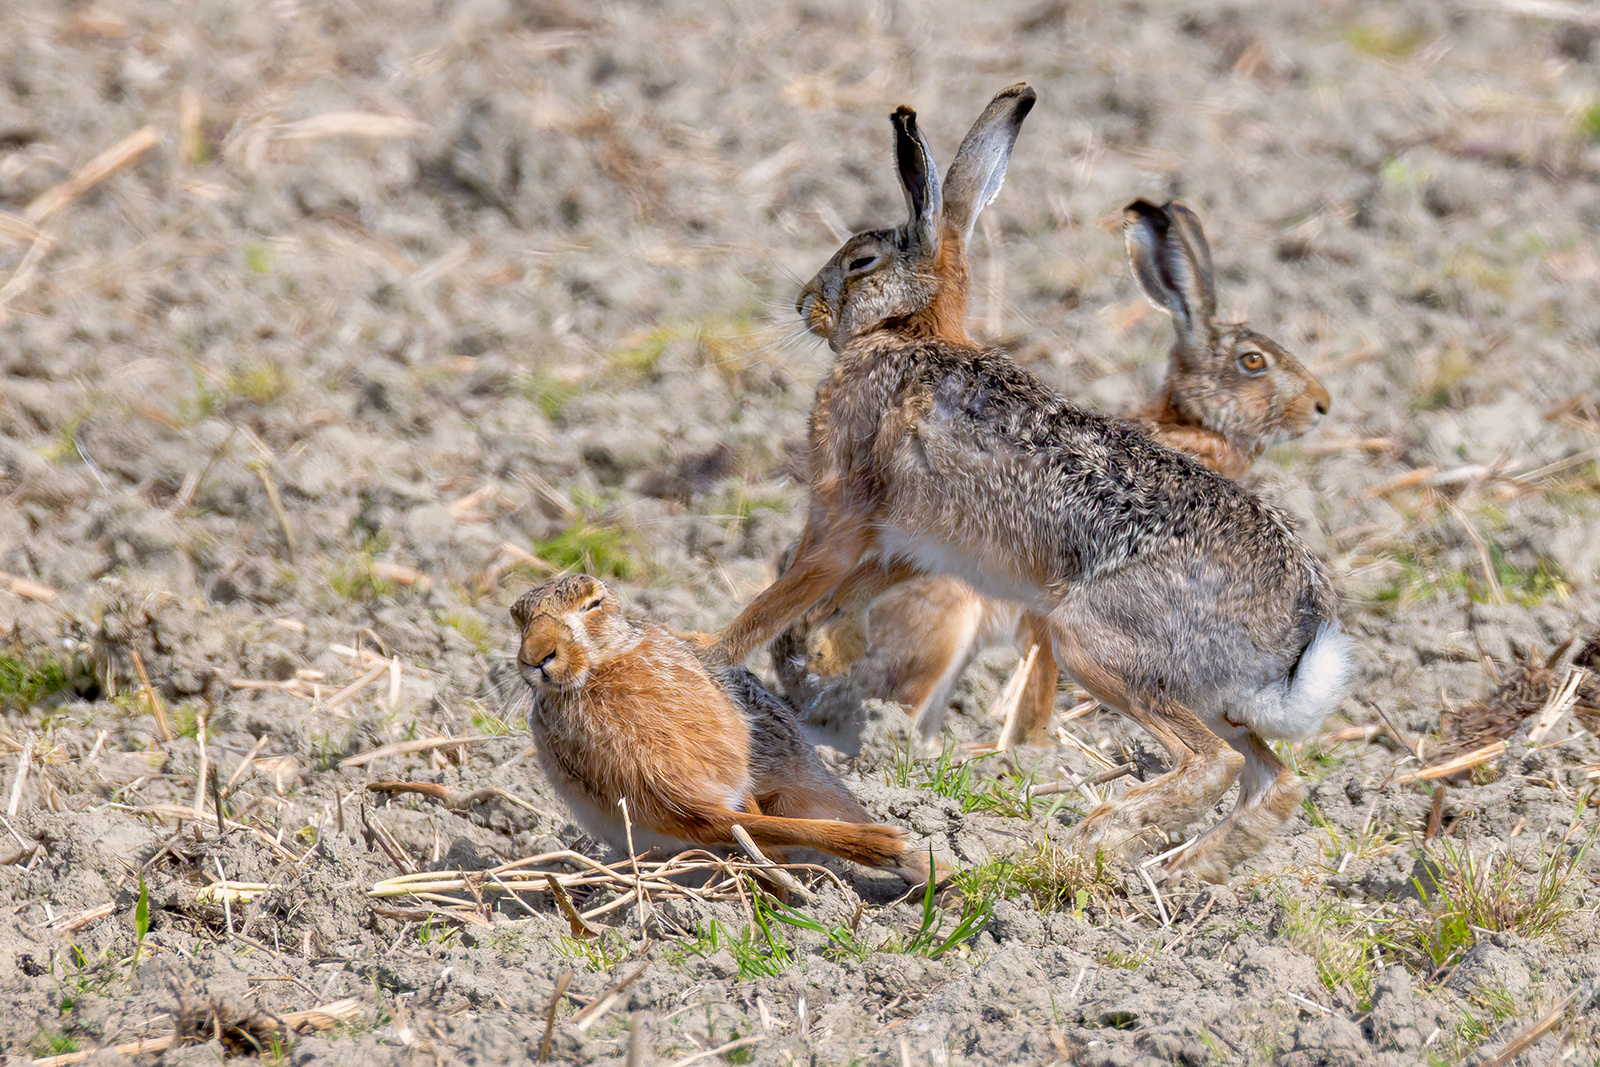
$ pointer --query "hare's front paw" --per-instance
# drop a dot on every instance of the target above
(698, 638)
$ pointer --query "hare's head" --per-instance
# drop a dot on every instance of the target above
(568, 626)
(917, 272)
(1223, 377)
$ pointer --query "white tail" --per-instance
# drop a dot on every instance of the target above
(1314, 689)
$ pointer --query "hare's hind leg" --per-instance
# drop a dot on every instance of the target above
(814, 792)
(1268, 794)
(1103, 661)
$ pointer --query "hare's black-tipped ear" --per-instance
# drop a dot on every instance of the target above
(921, 184)
(979, 169)
(1172, 261)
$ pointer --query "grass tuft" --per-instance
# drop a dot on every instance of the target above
(947, 775)
(1463, 895)
(26, 681)
(603, 551)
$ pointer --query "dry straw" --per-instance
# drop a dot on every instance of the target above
(566, 871)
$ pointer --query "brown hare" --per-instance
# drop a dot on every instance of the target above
(624, 709)
(1229, 393)
(1171, 593)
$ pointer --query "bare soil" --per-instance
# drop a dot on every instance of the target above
(403, 305)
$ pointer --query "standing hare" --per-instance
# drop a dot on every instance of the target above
(1229, 393)
(1170, 593)
(622, 709)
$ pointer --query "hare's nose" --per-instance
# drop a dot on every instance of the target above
(1319, 399)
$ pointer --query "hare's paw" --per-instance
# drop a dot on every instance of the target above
(1116, 829)
(707, 647)
(1203, 858)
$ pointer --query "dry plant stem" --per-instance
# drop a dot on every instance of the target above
(1463, 762)
(91, 174)
(183, 811)
(720, 1050)
(638, 883)
(290, 546)
(1583, 997)
(597, 1010)
(322, 1017)
(200, 775)
(1093, 755)
(1161, 905)
(1010, 700)
(635, 1029)
(402, 748)
(1561, 700)
(372, 675)
(783, 878)
(132, 1048)
(550, 1013)
(1484, 561)
(157, 708)
(452, 801)
(78, 922)
(248, 760)
(581, 928)
(665, 879)
(26, 588)
(20, 229)
(24, 760)
(191, 132)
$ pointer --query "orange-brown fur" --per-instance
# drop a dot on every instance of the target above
(624, 709)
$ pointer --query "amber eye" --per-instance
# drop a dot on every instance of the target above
(857, 265)
(595, 603)
(1252, 362)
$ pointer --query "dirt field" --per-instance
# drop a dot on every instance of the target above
(398, 306)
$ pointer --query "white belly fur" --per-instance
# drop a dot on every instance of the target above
(940, 557)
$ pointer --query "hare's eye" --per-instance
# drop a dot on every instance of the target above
(595, 603)
(1252, 362)
(857, 265)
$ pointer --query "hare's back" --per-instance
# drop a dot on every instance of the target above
(1092, 491)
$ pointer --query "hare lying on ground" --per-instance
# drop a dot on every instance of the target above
(1171, 593)
(1229, 393)
(624, 709)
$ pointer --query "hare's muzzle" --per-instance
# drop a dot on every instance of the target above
(814, 312)
(1310, 406)
(540, 660)
(1319, 399)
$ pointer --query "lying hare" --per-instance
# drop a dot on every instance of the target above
(1229, 393)
(624, 709)
(1171, 593)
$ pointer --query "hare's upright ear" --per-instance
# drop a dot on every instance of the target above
(920, 235)
(523, 608)
(979, 168)
(1173, 262)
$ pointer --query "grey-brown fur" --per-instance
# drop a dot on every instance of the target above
(1172, 593)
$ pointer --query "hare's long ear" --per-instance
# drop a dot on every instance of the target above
(979, 169)
(1173, 262)
(920, 235)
